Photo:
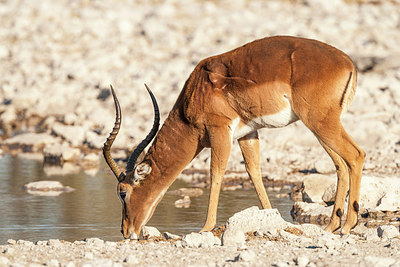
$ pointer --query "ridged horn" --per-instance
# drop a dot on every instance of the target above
(110, 140)
(135, 154)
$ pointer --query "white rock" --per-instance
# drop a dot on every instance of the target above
(54, 242)
(11, 242)
(53, 263)
(94, 241)
(197, 240)
(183, 203)
(4, 261)
(247, 255)
(31, 139)
(88, 255)
(380, 193)
(324, 166)
(311, 230)
(75, 135)
(169, 236)
(329, 241)
(314, 187)
(371, 235)
(329, 194)
(149, 232)
(95, 140)
(302, 261)
(60, 153)
(41, 187)
(251, 220)
(70, 118)
(378, 261)
(388, 231)
(313, 209)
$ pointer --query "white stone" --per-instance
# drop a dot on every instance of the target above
(329, 194)
(251, 220)
(183, 203)
(75, 135)
(380, 193)
(247, 255)
(388, 231)
(31, 139)
(371, 234)
(60, 153)
(169, 236)
(313, 209)
(324, 166)
(377, 261)
(4, 261)
(197, 240)
(46, 186)
(94, 241)
(88, 255)
(70, 118)
(149, 232)
(53, 263)
(314, 187)
(54, 242)
(302, 261)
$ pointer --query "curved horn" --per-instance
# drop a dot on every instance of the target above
(135, 154)
(110, 140)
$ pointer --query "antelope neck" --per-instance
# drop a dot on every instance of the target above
(174, 147)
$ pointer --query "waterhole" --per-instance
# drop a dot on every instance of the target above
(94, 210)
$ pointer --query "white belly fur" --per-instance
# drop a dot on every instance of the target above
(280, 119)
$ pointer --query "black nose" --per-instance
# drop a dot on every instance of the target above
(122, 232)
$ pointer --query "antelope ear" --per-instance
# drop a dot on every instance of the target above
(141, 171)
(218, 80)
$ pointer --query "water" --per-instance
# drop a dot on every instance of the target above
(93, 209)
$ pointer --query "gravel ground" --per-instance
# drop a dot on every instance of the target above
(57, 59)
(351, 251)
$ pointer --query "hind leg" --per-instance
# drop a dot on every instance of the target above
(341, 189)
(335, 137)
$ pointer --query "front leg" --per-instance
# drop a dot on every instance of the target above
(220, 142)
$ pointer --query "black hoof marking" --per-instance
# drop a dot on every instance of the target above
(339, 213)
(356, 206)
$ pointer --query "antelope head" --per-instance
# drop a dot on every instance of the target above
(137, 204)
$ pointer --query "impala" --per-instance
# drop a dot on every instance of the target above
(270, 82)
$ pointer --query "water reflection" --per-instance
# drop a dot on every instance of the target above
(93, 209)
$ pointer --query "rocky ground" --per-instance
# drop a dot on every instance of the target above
(277, 243)
(57, 59)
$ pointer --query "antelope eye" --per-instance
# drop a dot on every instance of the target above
(122, 195)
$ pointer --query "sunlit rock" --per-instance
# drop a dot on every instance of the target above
(199, 240)
(251, 220)
(60, 153)
(35, 141)
(183, 203)
(150, 232)
(75, 135)
(47, 188)
(314, 187)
